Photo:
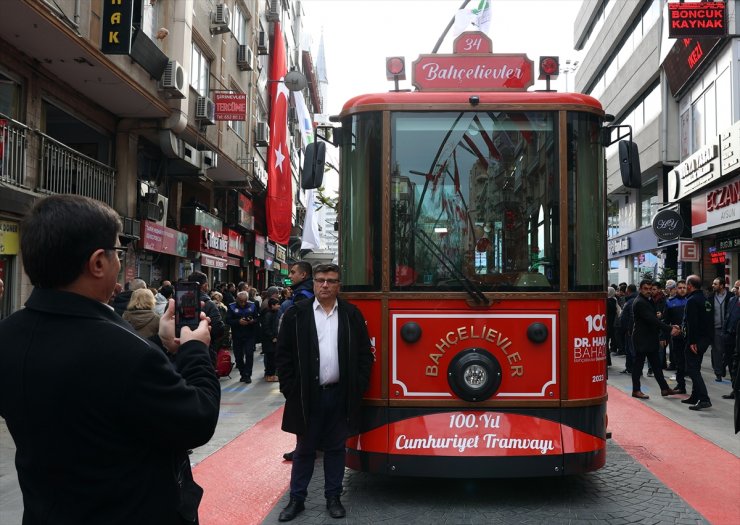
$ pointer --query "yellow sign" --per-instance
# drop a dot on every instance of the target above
(9, 238)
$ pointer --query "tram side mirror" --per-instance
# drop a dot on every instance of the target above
(629, 164)
(312, 175)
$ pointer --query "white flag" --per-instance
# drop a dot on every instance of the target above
(479, 16)
(304, 119)
(310, 240)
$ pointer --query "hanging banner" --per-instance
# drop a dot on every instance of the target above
(117, 29)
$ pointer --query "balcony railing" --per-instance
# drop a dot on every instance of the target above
(64, 170)
(13, 147)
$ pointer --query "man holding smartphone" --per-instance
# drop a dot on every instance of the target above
(101, 418)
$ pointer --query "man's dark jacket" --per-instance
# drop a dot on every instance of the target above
(302, 291)
(698, 321)
(120, 301)
(297, 360)
(647, 328)
(101, 418)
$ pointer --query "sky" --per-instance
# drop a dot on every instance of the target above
(360, 34)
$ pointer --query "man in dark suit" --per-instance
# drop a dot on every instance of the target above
(101, 418)
(698, 328)
(645, 340)
(324, 360)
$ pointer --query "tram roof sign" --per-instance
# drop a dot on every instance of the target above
(473, 67)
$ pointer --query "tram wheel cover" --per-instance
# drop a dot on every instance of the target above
(470, 366)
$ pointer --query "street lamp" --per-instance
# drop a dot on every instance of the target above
(569, 67)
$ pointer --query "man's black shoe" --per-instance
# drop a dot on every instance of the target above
(288, 456)
(718, 378)
(731, 395)
(689, 401)
(700, 405)
(679, 390)
(336, 510)
(293, 509)
(625, 371)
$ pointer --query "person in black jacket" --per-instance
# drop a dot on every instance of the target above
(243, 317)
(269, 338)
(324, 360)
(646, 330)
(101, 418)
(698, 329)
(211, 310)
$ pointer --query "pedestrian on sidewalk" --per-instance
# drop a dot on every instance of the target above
(324, 361)
(697, 326)
(645, 340)
(731, 333)
(719, 299)
(674, 313)
(269, 338)
(626, 321)
(243, 318)
(101, 418)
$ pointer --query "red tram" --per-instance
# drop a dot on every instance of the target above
(473, 238)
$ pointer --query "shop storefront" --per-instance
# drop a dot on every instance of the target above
(710, 180)
(164, 249)
(634, 255)
(9, 250)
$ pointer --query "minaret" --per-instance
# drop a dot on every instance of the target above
(321, 75)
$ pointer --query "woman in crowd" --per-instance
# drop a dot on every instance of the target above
(140, 313)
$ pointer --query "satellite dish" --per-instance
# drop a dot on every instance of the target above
(295, 80)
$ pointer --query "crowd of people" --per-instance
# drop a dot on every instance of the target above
(671, 327)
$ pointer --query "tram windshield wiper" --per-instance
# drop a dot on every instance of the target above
(475, 293)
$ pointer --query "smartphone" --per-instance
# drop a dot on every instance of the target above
(187, 306)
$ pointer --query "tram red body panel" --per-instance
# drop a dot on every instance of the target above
(476, 433)
(438, 100)
(419, 370)
(371, 310)
(587, 349)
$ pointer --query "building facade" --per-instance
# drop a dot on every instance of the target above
(134, 119)
(680, 97)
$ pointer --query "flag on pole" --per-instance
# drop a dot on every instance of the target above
(479, 16)
(304, 119)
(279, 202)
(310, 239)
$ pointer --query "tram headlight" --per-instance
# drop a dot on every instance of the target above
(474, 374)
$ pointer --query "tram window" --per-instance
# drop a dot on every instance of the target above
(359, 207)
(474, 199)
(586, 217)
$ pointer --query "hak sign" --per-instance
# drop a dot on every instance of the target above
(117, 32)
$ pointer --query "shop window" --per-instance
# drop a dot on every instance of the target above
(648, 203)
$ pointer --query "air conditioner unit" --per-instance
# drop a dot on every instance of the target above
(162, 203)
(262, 48)
(173, 80)
(262, 134)
(244, 58)
(273, 14)
(220, 19)
(209, 159)
(205, 110)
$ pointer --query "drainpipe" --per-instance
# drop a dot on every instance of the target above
(77, 13)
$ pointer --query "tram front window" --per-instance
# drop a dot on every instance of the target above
(474, 197)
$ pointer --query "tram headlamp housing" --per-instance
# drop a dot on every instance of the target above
(549, 67)
(395, 68)
(474, 374)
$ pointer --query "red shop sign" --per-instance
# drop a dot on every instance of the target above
(205, 240)
(230, 106)
(236, 242)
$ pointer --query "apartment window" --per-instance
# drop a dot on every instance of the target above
(724, 95)
(239, 26)
(200, 69)
(10, 98)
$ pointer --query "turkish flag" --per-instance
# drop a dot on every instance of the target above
(279, 205)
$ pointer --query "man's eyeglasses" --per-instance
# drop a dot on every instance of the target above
(120, 251)
(322, 282)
